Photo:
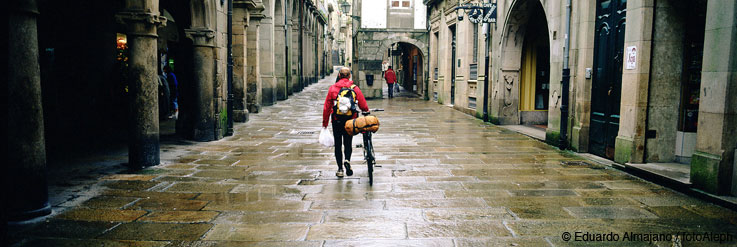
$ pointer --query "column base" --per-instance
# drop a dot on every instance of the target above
(623, 148)
(711, 173)
(29, 214)
(552, 137)
(240, 116)
(143, 152)
(268, 96)
(579, 139)
(254, 108)
(205, 132)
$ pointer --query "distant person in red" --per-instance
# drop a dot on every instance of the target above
(391, 78)
(331, 110)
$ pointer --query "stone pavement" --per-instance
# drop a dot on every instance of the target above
(445, 179)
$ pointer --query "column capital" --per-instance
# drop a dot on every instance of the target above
(201, 36)
(249, 4)
(140, 23)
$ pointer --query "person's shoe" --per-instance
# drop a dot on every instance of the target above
(348, 170)
(339, 173)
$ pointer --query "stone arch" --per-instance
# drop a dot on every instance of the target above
(422, 46)
(516, 25)
(278, 12)
(387, 43)
(403, 39)
(295, 10)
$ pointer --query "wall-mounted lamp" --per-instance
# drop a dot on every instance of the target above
(345, 7)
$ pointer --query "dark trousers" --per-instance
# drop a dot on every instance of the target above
(342, 140)
(391, 90)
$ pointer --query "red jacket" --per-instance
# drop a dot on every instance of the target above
(390, 76)
(327, 110)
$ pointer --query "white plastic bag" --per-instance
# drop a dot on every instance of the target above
(326, 138)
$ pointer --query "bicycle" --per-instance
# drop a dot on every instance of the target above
(368, 149)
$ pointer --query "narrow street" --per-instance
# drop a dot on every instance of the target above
(446, 179)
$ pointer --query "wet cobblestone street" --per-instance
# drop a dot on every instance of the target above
(446, 179)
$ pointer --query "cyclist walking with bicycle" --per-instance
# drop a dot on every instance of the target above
(341, 105)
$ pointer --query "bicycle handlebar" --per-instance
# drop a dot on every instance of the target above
(366, 113)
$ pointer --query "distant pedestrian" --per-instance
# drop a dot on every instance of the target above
(341, 105)
(384, 67)
(391, 78)
(164, 96)
(174, 91)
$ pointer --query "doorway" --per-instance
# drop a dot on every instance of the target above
(406, 59)
(452, 65)
(535, 71)
(693, 54)
(607, 83)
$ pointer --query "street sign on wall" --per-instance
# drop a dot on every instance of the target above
(485, 12)
(489, 12)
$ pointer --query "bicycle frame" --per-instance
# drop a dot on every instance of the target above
(368, 151)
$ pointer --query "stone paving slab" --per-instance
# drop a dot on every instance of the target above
(258, 232)
(445, 179)
(157, 231)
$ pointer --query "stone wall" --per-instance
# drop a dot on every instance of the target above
(664, 99)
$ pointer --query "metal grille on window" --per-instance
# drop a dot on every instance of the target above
(472, 102)
(436, 74)
(475, 43)
(474, 72)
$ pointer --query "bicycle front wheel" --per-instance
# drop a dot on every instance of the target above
(368, 149)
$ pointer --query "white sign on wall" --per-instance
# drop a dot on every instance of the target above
(631, 57)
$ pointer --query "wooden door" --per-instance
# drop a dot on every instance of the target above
(607, 82)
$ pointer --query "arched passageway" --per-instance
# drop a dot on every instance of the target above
(525, 71)
(408, 62)
(175, 52)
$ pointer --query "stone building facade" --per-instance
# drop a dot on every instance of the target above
(75, 90)
(650, 81)
(399, 21)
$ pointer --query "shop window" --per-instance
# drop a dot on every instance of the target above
(691, 86)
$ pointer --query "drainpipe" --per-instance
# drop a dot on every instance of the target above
(486, 72)
(229, 131)
(563, 142)
(287, 66)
